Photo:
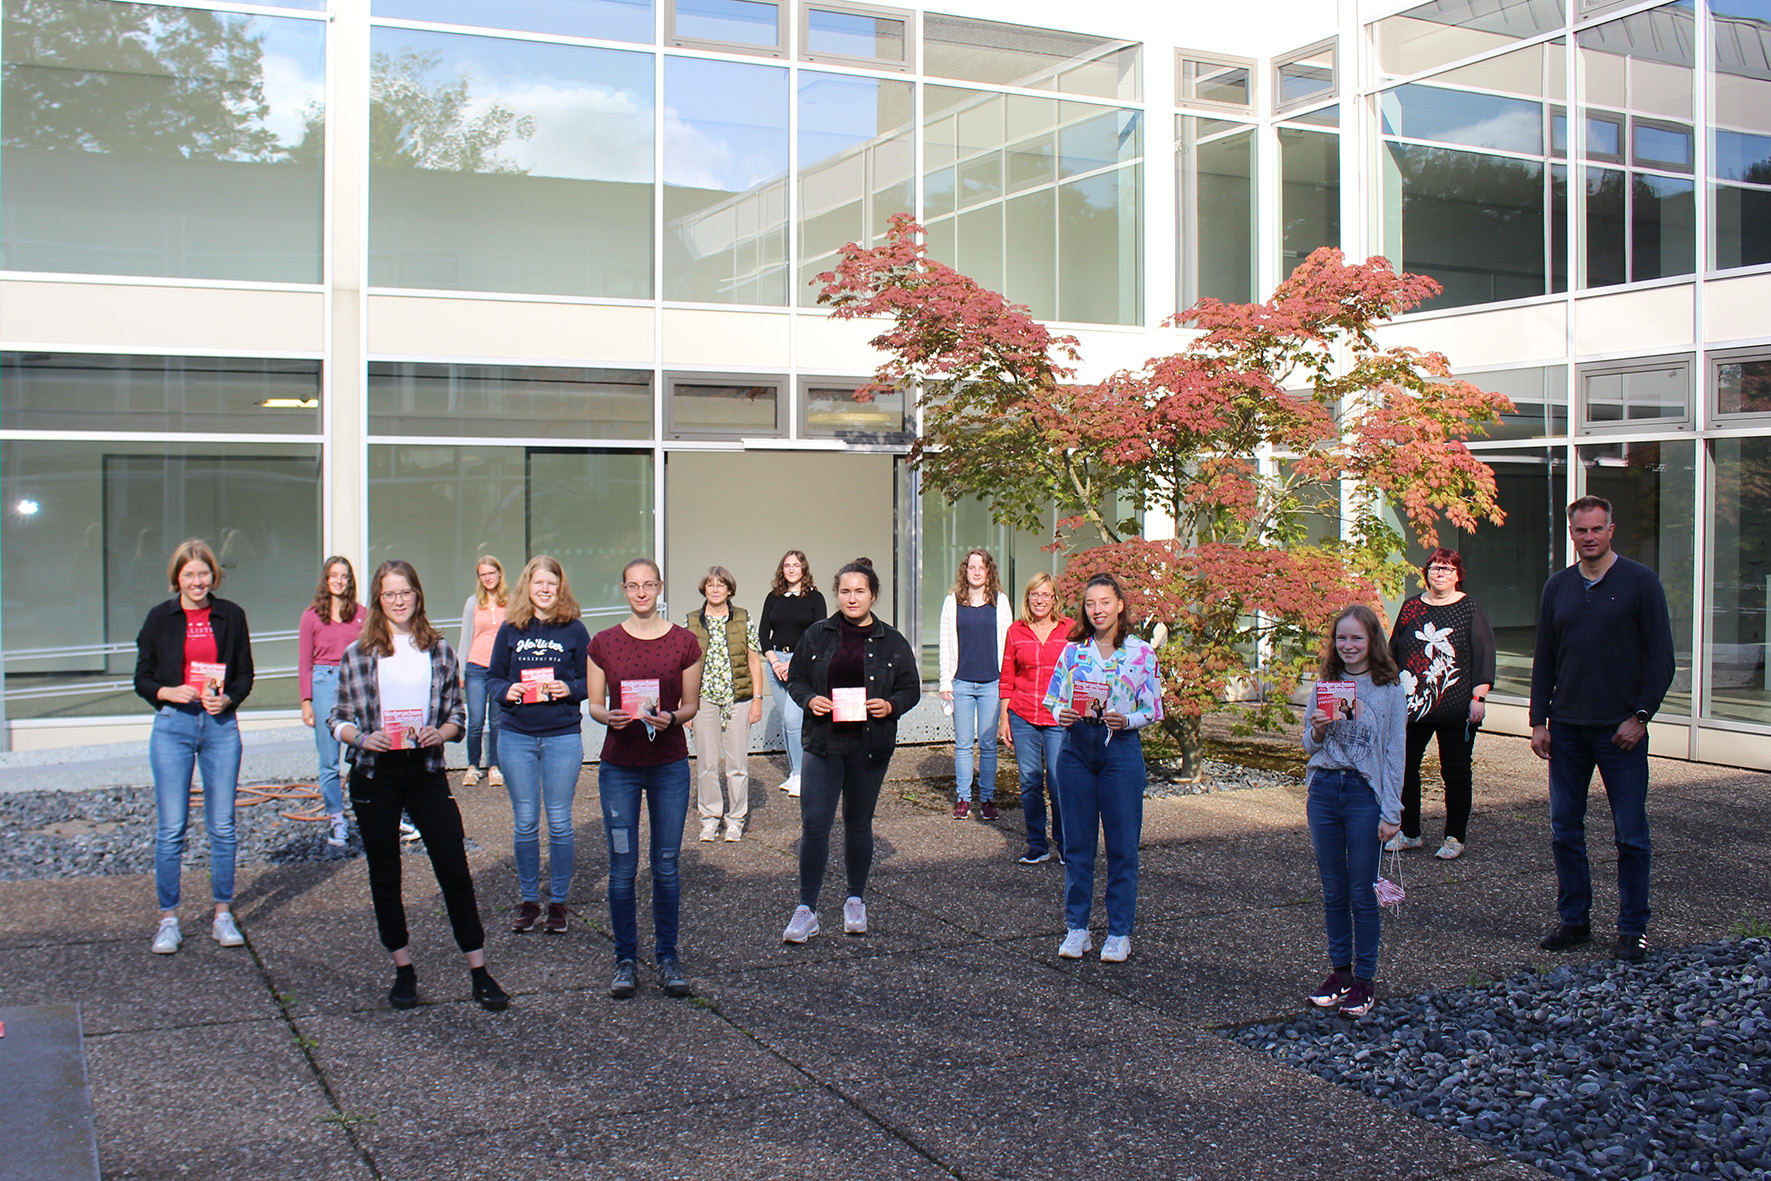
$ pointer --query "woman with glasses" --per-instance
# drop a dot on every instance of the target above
(731, 680)
(645, 686)
(329, 626)
(399, 701)
(193, 665)
(1444, 646)
(481, 616)
(1035, 643)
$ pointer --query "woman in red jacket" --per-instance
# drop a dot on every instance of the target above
(1035, 641)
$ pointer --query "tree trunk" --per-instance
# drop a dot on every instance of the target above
(1189, 736)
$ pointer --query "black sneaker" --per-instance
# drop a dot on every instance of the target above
(404, 993)
(626, 980)
(487, 994)
(1032, 858)
(672, 980)
(1563, 936)
(1632, 949)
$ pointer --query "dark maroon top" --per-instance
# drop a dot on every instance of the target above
(848, 665)
(622, 657)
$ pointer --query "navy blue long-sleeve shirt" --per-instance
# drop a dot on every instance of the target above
(1602, 652)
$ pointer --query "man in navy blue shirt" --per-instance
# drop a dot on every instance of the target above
(1604, 660)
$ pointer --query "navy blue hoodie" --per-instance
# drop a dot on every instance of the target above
(563, 647)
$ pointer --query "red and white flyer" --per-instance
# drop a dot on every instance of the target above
(535, 685)
(1089, 699)
(207, 678)
(639, 697)
(1339, 698)
(402, 726)
(848, 705)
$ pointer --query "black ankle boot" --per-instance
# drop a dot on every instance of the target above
(404, 994)
(487, 993)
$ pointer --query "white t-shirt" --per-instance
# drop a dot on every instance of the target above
(404, 678)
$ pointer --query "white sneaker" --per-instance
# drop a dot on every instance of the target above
(495, 777)
(792, 786)
(1451, 850)
(734, 830)
(710, 829)
(340, 831)
(471, 778)
(224, 930)
(1115, 949)
(408, 831)
(167, 937)
(854, 917)
(802, 926)
(1399, 842)
(1076, 941)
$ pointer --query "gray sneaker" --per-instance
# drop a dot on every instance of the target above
(225, 931)
(802, 926)
(340, 831)
(167, 937)
(672, 980)
(626, 980)
(854, 917)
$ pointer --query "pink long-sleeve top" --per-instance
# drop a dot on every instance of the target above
(323, 643)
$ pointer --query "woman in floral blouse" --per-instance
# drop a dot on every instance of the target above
(1444, 646)
(1103, 691)
(731, 684)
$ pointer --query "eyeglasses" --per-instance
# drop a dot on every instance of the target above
(1441, 569)
(645, 586)
(398, 596)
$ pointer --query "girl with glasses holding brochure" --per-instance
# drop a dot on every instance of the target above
(399, 701)
(644, 685)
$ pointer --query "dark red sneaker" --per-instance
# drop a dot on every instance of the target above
(988, 811)
(524, 916)
(1359, 998)
(1333, 990)
(962, 809)
(555, 922)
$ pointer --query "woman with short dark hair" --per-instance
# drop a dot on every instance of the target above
(731, 684)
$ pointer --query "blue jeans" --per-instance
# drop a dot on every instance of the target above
(180, 740)
(482, 713)
(1343, 827)
(666, 791)
(1574, 752)
(1036, 756)
(975, 715)
(325, 694)
(792, 719)
(1103, 793)
(543, 771)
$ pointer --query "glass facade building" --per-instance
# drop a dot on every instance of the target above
(429, 279)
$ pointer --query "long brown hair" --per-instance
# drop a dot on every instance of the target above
(1082, 630)
(1381, 664)
(377, 636)
(322, 603)
(522, 608)
(501, 592)
(806, 582)
(962, 589)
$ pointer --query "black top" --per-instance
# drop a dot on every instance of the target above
(563, 647)
(159, 651)
(1603, 652)
(785, 619)
(893, 673)
(1444, 652)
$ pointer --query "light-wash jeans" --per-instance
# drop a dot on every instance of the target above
(977, 707)
(541, 771)
(730, 744)
(325, 696)
(483, 715)
(183, 739)
(792, 719)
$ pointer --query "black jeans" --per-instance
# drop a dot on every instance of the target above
(401, 784)
(845, 771)
(1454, 768)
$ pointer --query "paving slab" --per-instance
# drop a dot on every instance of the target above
(203, 983)
(45, 1105)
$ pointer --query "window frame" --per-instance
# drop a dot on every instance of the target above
(804, 19)
(1585, 427)
(778, 51)
(1713, 391)
(802, 403)
(672, 432)
(1185, 57)
(1331, 47)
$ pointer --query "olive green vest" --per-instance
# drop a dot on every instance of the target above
(737, 647)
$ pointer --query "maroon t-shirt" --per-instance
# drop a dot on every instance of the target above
(622, 657)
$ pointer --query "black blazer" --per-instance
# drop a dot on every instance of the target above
(892, 673)
(159, 650)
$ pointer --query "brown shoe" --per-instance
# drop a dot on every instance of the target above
(523, 917)
(555, 922)
(988, 811)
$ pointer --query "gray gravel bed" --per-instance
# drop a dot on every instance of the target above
(1219, 776)
(1605, 1071)
(53, 834)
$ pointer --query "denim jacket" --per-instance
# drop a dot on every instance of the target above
(892, 673)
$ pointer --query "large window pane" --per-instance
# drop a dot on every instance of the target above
(441, 507)
(1473, 221)
(1311, 198)
(1100, 255)
(1652, 488)
(523, 401)
(1539, 396)
(1740, 581)
(1420, 111)
(1446, 30)
(1037, 59)
(725, 182)
(1218, 218)
(76, 391)
(149, 140)
(1663, 227)
(1740, 112)
(608, 20)
(856, 147)
(504, 165)
(86, 561)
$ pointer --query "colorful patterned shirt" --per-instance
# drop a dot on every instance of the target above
(1134, 685)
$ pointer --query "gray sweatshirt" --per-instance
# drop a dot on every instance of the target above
(1371, 743)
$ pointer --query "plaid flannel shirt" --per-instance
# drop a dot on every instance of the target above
(359, 701)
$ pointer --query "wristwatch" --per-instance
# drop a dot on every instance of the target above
(1642, 716)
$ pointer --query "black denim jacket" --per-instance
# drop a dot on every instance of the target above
(892, 673)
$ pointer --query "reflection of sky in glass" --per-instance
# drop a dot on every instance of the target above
(1604, 137)
(740, 22)
(592, 107)
(1087, 142)
(837, 112)
(1300, 81)
(1662, 145)
(1739, 156)
(609, 20)
(294, 65)
(725, 124)
(854, 34)
(1460, 117)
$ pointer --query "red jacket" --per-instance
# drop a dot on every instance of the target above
(1027, 667)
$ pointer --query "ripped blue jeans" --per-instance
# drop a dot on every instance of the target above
(666, 791)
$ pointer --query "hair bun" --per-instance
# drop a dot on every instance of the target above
(867, 562)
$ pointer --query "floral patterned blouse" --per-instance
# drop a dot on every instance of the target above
(1134, 686)
(1444, 652)
(716, 669)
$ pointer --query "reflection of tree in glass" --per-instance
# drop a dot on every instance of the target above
(135, 78)
(417, 123)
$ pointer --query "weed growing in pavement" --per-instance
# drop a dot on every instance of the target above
(1751, 927)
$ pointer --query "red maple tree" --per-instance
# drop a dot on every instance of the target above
(1285, 451)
